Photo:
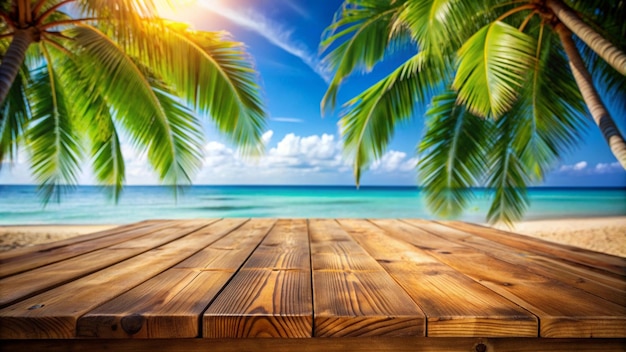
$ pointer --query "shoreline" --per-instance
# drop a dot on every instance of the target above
(601, 234)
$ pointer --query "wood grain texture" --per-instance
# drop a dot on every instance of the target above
(563, 311)
(170, 305)
(271, 295)
(476, 312)
(279, 285)
(353, 295)
(27, 258)
(54, 313)
(583, 279)
(27, 284)
(352, 344)
(262, 303)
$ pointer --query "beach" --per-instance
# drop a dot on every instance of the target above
(606, 234)
(12, 237)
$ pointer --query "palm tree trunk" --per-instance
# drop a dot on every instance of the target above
(609, 52)
(595, 105)
(13, 59)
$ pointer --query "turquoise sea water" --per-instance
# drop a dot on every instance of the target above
(89, 205)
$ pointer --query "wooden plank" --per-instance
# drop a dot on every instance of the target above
(271, 295)
(563, 311)
(352, 294)
(27, 284)
(170, 305)
(584, 280)
(54, 313)
(353, 344)
(614, 264)
(48, 253)
(455, 305)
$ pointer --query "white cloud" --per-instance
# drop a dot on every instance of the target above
(603, 168)
(273, 31)
(584, 167)
(267, 137)
(294, 160)
(394, 161)
(576, 167)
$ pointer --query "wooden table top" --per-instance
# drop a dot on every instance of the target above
(299, 278)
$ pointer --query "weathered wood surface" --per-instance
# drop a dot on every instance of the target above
(336, 283)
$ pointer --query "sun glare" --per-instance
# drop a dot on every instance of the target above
(176, 10)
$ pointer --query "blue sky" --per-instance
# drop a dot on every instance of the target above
(302, 146)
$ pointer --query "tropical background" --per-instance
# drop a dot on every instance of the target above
(303, 53)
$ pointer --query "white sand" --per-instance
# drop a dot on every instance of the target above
(607, 235)
(28, 235)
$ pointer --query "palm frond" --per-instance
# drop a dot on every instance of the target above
(98, 123)
(106, 152)
(52, 140)
(441, 26)
(185, 133)
(212, 74)
(125, 12)
(491, 68)
(452, 155)
(368, 28)
(13, 117)
(551, 106)
(142, 104)
(509, 176)
(370, 118)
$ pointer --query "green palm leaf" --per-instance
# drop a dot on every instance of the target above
(106, 153)
(509, 175)
(370, 28)
(370, 118)
(13, 117)
(452, 155)
(98, 122)
(212, 74)
(441, 26)
(142, 104)
(52, 140)
(491, 68)
(551, 107)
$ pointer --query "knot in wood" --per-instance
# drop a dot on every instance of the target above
(36, 306)
(132, 324)
(481, 347)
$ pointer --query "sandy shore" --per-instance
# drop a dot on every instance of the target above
(28, 235)
(607, 235)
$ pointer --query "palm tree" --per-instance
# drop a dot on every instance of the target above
(504, 103)
(97, 70)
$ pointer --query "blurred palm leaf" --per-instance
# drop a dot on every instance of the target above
(52, 140)
(452, 154)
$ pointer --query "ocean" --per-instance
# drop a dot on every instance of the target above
(89, 205)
